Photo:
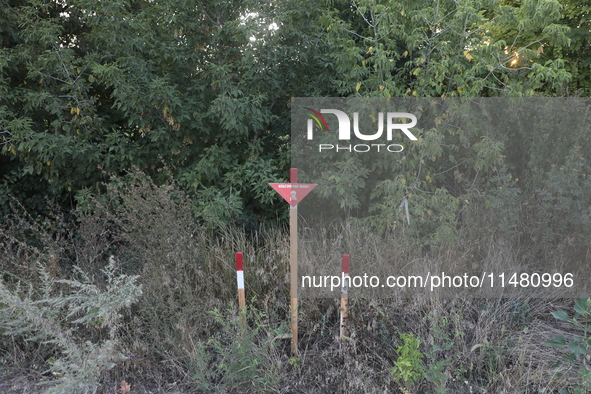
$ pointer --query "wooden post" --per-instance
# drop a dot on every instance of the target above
(240, 282)
(293, 267)
(293, 193)
(344, 293)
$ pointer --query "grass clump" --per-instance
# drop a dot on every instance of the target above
(238, 356)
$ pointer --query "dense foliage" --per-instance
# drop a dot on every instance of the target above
(92, 88)
(106, 85)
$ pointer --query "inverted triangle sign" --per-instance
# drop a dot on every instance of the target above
(293, 193)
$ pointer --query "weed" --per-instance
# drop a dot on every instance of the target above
(182, 332)
(244, 358)
(59, 317)
(578, 348)
(440, 345)
(409, 366)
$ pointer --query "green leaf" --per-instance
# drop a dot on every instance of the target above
(557, 341)
(582, 306)
(560, 315)
(577, 348)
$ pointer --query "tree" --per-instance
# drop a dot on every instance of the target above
(446, 48)
(203, 88)
(437, 49)
(577, 15)
(192, 86)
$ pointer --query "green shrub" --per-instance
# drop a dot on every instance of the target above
(409, 366)
(579, 347)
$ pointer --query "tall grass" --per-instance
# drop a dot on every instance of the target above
(183, 333)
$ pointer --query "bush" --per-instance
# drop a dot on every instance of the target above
(409, 366)
(60, 313)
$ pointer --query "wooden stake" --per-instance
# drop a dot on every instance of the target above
(240, 282)
(344, 294)
(293, 193)
(293, 268)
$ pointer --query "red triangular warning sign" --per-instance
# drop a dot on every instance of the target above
(293, 193)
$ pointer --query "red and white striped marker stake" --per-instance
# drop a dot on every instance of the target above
(344, 293)
(240, 282)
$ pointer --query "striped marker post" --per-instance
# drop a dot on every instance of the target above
(344, 293)
(240, 281)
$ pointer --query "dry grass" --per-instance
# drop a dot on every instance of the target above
(480, 345)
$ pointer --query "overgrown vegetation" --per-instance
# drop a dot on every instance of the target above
(205, 88)
(137, 141)
(81, 323)
(59, 319)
